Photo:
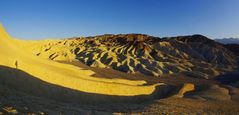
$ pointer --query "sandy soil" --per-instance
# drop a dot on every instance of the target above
(14, 102)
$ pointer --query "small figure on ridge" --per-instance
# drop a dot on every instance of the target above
(16, 64)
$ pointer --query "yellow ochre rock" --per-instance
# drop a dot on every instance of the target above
(14, 51)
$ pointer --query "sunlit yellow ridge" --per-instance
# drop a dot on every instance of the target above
(65, 75)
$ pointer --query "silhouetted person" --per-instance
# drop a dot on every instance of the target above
(16, 63)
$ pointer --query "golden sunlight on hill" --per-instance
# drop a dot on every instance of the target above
(69, 76)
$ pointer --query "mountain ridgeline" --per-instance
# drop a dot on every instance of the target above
(143, 54)
(228, 40)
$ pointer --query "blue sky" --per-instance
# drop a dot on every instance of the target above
(39, 19)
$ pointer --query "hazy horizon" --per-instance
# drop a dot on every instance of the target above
(41, 19)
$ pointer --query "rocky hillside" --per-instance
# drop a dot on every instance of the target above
(138, 53)
(233, 48)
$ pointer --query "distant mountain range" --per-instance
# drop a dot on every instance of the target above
(228, 40)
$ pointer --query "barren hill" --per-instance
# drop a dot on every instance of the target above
(13, 55)
(138, 53)
(125, 73)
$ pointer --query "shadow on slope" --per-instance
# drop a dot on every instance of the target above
(24, 82)
(170, 79)
(228, 79)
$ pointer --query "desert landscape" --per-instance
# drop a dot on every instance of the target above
(118, 74)
(119, 57)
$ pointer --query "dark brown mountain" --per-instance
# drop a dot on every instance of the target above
(233, 48)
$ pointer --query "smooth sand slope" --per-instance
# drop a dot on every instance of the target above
(69, 76)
